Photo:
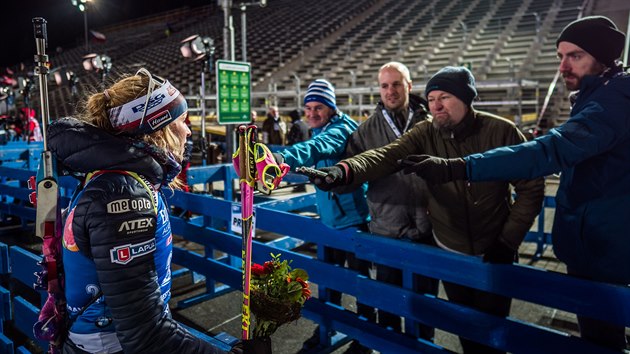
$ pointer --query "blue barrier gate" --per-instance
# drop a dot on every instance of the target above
(211, 229)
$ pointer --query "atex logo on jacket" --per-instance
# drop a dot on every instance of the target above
(130, 227)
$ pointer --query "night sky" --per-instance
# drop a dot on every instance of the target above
(65, 22)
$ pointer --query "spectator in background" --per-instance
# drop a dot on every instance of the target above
(274, 129)
(299, 129)
(398, 202)
(592, 150)
(365, 115)
(478, 219)
(298, 132)
(331, 129)
(32, 131)
(254, 116)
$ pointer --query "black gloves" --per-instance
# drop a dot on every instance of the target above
(435, 170)
(259, 345)
(499, 252)
(335, 177)
(278, 157)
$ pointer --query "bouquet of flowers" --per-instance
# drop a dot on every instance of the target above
(277, 294)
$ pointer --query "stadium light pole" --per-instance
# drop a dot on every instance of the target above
(353, 76)
(200, 49)
(82, 6)
(228, 54)
(464, 30)
(297, 89)
(243, 7)
(537, 16)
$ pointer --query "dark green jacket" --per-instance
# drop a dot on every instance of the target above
(466, 217)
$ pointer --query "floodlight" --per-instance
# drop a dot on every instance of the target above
(197, 47)
(65, 77)
(97, 62)
(5, 91)
(201, 49)
(25, 85)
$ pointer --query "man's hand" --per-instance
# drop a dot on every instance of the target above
(500, 253)
(434, 170)
(335, 177)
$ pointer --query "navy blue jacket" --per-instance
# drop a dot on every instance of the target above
(591, 231)
(119, 244)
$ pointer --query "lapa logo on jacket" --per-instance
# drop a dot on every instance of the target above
(126, 253)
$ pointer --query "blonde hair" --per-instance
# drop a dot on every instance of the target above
(398, 66)
(94, 110)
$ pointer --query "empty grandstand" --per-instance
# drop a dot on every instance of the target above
(508, 44)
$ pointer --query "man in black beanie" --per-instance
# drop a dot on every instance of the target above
(588, 46)
(592, 150)
(472, 219)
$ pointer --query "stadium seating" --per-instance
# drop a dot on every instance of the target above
(345, 42)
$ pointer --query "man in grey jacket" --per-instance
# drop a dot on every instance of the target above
(398, 202)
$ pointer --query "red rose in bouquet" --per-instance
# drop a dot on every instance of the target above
(277, 294)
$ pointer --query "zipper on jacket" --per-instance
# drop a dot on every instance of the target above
(467, 194)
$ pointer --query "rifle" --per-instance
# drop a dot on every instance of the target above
(50, 324)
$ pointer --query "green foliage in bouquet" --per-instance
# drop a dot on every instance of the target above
(277, 294)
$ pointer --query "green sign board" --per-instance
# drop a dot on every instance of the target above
(234, 86)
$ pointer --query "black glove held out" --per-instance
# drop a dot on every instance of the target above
(335, 177)
(434, 170)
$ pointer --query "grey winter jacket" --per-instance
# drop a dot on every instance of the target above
(397, 202)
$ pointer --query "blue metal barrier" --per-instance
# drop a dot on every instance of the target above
(20, 154)
(211, 228)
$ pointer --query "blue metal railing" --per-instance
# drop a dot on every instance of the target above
(210, 227)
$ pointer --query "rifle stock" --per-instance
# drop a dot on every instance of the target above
(47, 186)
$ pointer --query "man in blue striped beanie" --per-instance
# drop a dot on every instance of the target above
(330, 131)
(320, 91)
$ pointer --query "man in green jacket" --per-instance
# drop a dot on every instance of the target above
(479, 219)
